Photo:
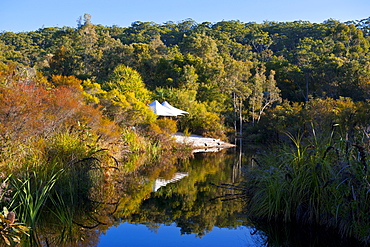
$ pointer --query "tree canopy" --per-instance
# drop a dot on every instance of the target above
(235, 70)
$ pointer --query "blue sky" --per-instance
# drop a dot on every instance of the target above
(30, 15)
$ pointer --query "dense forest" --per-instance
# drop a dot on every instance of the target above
(74, 100)
(225, 74)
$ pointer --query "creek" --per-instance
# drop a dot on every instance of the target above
(196, 205)
(187, 201)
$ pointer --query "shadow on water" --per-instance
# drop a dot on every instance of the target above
(277, 234)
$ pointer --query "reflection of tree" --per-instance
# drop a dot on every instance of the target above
(114, 196)
(75, 219)
(189, 202)
(237, 164)
(89, 203)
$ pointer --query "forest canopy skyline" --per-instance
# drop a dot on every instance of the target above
(226, 71)
(23, 15)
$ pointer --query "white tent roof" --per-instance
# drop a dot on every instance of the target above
(174, 109)
(161, 110)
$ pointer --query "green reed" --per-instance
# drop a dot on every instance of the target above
(318, 180)
(63, 210)
(31, 195)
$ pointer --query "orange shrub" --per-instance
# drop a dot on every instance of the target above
(27, 110)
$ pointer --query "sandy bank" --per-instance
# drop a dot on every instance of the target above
(200, 142)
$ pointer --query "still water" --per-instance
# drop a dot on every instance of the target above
(193, 205)
(179, 201)
(169, 235)
(196, 202)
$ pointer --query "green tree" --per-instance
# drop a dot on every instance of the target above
(260, 41)
(306, 56)
(128, 80)
(264, 93)
(211, 69)
(236, 84)
(64, 62)
(87, 40)
(127, 97)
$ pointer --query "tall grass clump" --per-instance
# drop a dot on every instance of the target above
(31, 195)
(317, 180)
(153, 140)
(54, 176)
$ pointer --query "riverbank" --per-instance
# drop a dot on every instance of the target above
(198, 142)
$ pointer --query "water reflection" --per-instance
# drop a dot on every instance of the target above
(280, 235)
(187, 200)
(167, 236)
(188, 208)
(175, 191)
(160, 182)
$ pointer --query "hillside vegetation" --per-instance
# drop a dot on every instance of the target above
(73, 100)
(226, 74)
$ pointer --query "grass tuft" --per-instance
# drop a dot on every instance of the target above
(316, 180)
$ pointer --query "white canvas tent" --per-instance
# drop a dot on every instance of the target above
(174, 109)
(160, 110)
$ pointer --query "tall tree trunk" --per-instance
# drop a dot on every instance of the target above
(306, 86)
(240, 118)
(235, 113)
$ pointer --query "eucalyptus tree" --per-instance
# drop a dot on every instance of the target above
(87, 40)
(178, 71)
(7, 53)
(141, 32)
(349, 40)
(364, 25)
(65, 61)
(264, 93)
(175, 32)
(22, 44)
(211, 69)
(106, 58)
(236, 84)
(261, 42)
(306, 56)
(286, 35)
